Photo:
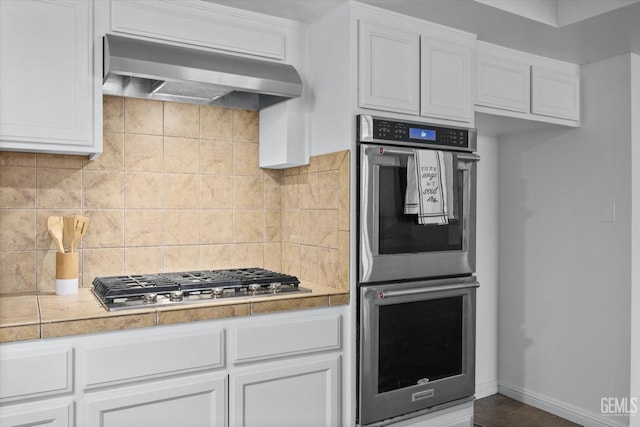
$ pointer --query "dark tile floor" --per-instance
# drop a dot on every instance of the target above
(501, 411)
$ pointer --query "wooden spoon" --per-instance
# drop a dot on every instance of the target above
(80, 229)
(54, 225)
(68, 232)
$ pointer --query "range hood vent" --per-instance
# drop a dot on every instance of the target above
(144, 69)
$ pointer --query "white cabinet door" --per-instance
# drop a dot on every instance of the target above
(50, 100)
(388, 69)
(502, 83)
(198, 400)
(555, 94)
(298, 393)
(56, 413)
(446, 80)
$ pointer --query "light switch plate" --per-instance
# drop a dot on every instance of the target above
(608, 211)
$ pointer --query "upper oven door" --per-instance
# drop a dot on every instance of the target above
(393, 245)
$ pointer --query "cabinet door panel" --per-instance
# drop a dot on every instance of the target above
(46, 75)
(57, 413)
(503, 84)
(555, 94)
(388, 69)
(302, 394)
(446, 80)
(189, 401)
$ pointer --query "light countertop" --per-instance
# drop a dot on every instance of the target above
(46, 315)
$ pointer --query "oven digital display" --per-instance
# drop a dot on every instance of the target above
(425, 134)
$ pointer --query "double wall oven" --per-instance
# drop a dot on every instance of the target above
(416, 305)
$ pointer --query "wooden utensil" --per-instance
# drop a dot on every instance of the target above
(55, 227)
(68, 232)
(80, 229)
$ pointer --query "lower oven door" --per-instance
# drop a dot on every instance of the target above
(417, 346)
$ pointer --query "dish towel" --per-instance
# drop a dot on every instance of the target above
(429, 177)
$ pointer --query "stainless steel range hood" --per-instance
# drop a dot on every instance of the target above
(144, 69)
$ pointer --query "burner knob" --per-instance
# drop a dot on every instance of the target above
(275, 287)
(150, 298)
(176, 296)
(254, 288)
(217, 292)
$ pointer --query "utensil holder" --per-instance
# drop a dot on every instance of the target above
(66, 273)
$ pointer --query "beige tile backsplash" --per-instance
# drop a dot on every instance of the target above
(177, 187)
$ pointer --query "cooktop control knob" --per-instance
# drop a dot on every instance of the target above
(275, 287)
(217, 292)
(176, 296)
(254, 288)
(150, 298)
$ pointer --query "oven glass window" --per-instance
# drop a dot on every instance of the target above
(420, 341)
(399, 232)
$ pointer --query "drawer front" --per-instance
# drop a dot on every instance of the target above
(268, 340)
(118, 360)
(29, 371)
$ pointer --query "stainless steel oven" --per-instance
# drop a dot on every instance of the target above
(393, 244)
(416, 251)
(417, 347)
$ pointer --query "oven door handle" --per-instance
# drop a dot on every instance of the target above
(468, 157)
(426, 290)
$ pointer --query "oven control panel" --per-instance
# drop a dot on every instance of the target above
(372, 128)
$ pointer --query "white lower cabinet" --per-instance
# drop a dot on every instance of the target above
(54, 413)
(296, 393)
(268, 370)
(198, 400)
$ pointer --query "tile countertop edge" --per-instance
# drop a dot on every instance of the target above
(81, 313)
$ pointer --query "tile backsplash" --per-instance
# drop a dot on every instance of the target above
(177, 187)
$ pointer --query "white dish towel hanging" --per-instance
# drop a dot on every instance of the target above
(429, 186)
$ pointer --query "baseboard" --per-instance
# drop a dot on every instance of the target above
(487, 388)
(556, 407)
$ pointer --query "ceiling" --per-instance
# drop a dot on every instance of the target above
(607, 34)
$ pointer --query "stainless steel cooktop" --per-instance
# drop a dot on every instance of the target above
(188, 287)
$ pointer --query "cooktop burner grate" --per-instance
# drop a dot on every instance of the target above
(133, 285)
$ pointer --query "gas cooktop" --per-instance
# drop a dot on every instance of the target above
(164, 289)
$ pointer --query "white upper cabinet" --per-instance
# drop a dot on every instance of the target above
(409, 66)
(198, 23)
(388, 69)
(50, 100)
(446, 77)
(555, 93)
(503, 83)
(519, 84)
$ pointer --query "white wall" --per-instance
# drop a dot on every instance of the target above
(565, 272)
(635, 236)
(487, 269)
